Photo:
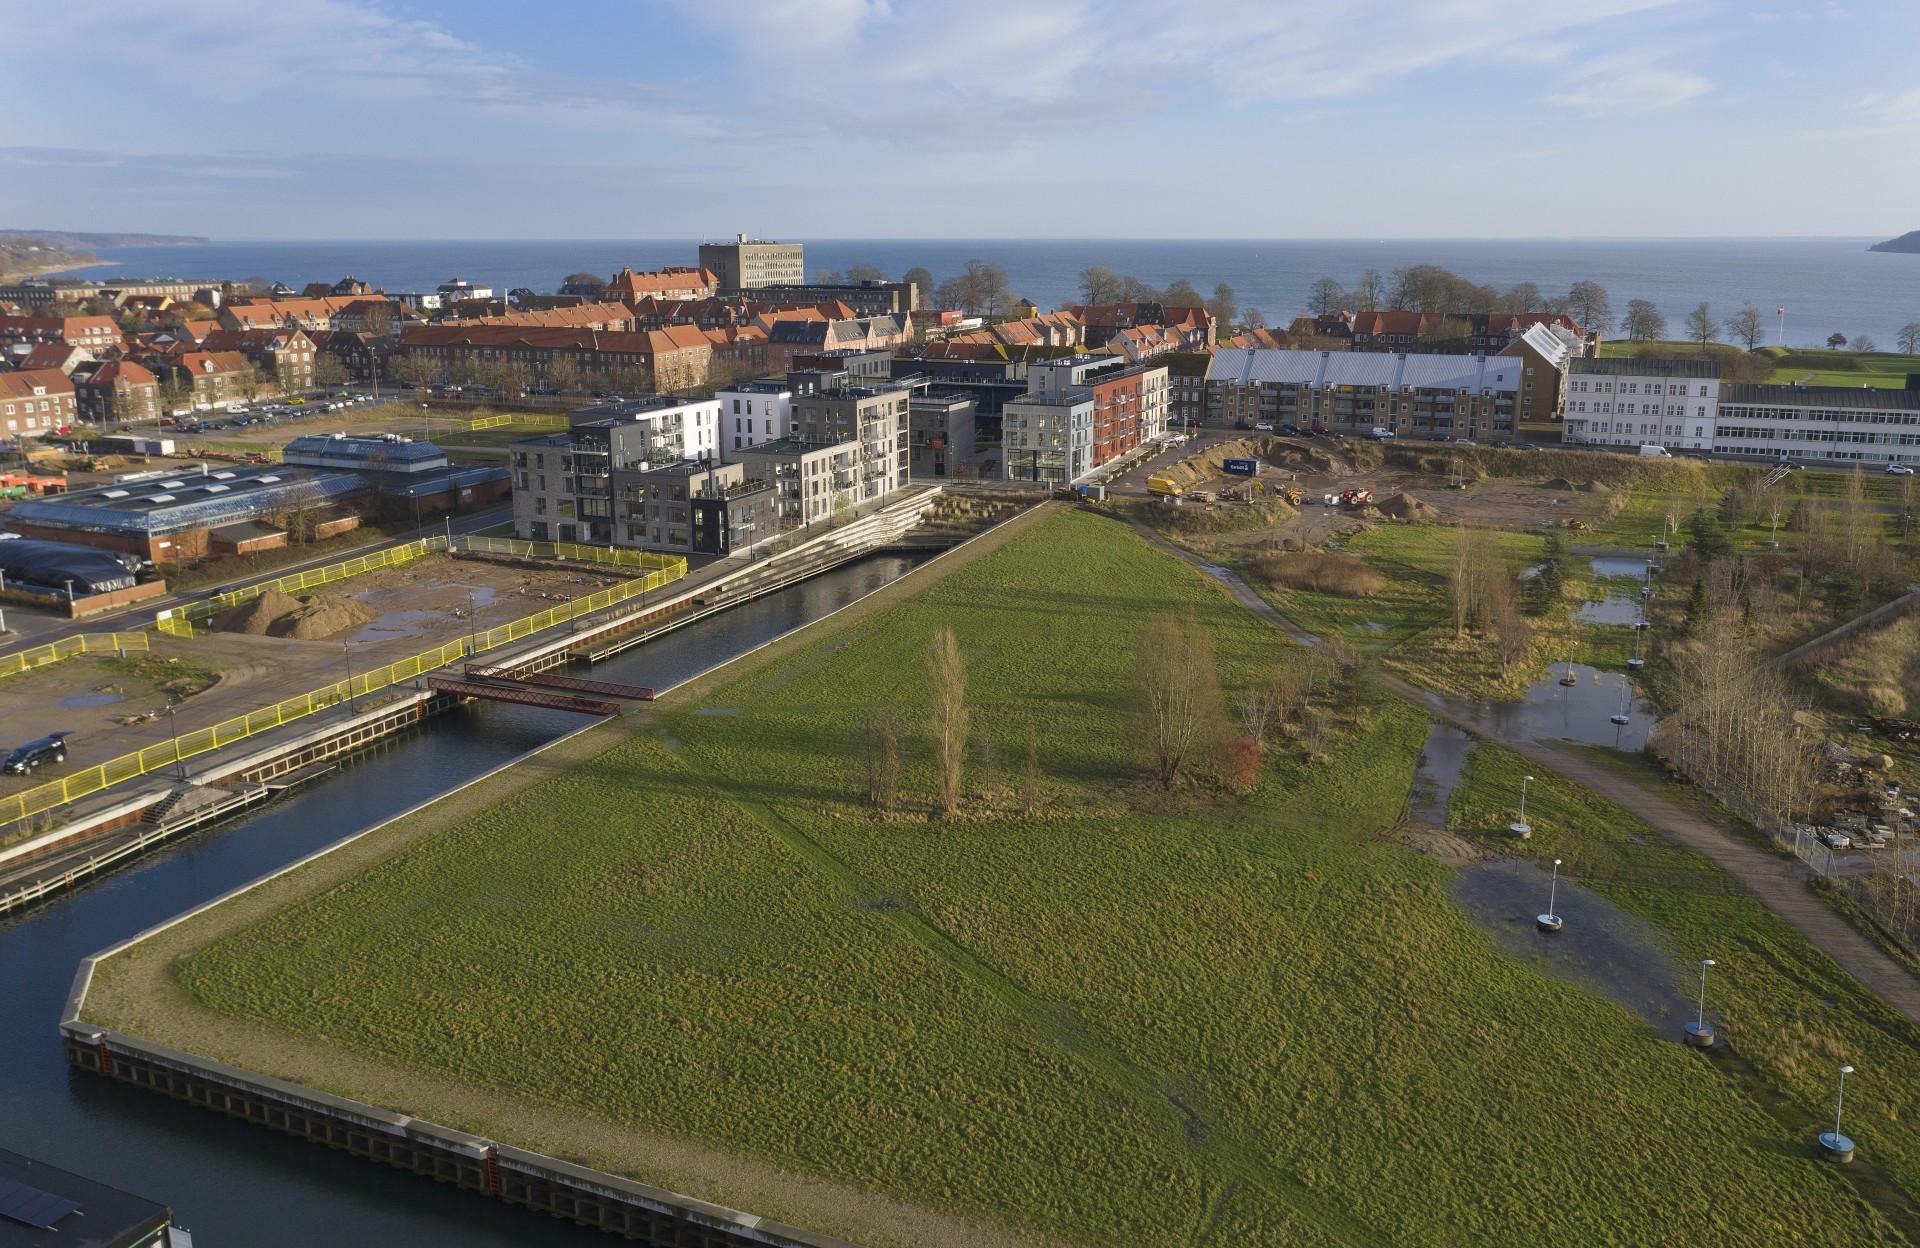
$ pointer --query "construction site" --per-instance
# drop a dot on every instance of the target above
(234, 697)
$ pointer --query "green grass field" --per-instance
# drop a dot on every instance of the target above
(1127, 1019)
(1812, 366)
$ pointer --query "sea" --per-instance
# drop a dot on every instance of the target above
(1826, 285)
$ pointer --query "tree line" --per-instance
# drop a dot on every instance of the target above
(1100, 284)
(1431, 289)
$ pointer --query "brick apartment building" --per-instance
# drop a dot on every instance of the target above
(116, 390)
(35, 402)
(90, 333)
(282, 358)
(676, 357)
(679, 282)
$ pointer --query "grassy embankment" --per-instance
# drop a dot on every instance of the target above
(1811, 366)
(1124, 1019)
(1783, 1006)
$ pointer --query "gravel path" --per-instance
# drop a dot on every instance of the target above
(1776, 882)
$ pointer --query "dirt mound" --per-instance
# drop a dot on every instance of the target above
(276, 614)
(1591, 487)
(1557, 483)
(1453, 850)
(1321, 572)
(1406, 507)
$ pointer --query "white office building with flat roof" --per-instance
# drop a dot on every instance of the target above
(1631, 402)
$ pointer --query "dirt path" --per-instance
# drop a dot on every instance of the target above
(1776, 882)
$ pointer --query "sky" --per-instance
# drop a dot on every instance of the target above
(401, 119)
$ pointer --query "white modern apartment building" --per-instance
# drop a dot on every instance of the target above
(1820, 424)
(1637, 402)
(673, 427)
(754, 413)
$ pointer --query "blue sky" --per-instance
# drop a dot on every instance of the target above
(892, 118)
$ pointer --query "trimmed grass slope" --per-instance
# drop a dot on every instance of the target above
(1128, 1019)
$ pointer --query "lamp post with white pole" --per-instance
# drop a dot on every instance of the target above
(1520, 827)
(1551, 921)
(1698, 1033)
(1834, 1146)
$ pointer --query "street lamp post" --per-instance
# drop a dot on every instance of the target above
(1570, 679)
(1520, 827)
(1698, 1033)
(173, 730)
(1834, 1146)
(346, 649)
(1551, 921)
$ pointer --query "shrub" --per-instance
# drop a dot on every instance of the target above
(1320, 572)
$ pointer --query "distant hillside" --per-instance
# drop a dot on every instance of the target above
(26, 257)
(71, 240)
(1908, 243)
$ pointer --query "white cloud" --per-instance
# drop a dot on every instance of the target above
(1900, 108)
(1628, 84)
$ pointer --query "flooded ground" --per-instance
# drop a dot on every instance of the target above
(1602, 947)
(1438, 773)
(1581, 712)
(1614, 610)
(1608, 567)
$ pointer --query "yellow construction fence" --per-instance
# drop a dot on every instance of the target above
(665, 570)
(67, 647)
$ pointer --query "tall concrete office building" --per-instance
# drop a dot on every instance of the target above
(750, 263)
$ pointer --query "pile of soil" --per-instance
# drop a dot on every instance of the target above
(1557, 483)
(315, 618)
(1406, 507)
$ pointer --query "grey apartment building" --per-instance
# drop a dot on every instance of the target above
(750, 263)
(829, 408)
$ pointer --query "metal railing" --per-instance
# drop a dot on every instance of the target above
(67, 648)
(665, 569)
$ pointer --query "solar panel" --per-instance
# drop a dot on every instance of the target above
(30, 1206)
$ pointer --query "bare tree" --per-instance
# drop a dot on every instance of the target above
(1909, 337)
(880, 759)
(1326, 296)
(1255, 710)
(1747, 328)
(947, 718)
(1253, 318)
(1643, 322)
(1865, 345)
(1099, 284)
(1588, 303)
(1701, 327)
(865, 273)
(1368, 292)
(921, 279)
(300, 513)
(1178, 692)
(1223, 306)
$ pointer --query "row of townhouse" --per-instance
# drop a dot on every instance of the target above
(1684, 405)
(89, 333)
(1412, 395)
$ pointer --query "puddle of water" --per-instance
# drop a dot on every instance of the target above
(78, 701)
(1621, 611)
(1438, 773)
(1612, 565)
(1616, 954)
(1579, 712)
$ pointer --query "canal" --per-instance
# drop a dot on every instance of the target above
(233, 1184)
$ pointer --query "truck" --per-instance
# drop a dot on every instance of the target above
(1165, 487)
(1655, 452)
(1241, 467)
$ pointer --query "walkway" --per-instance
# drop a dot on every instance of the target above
(1776, 882)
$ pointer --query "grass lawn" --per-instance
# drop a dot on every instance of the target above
(1783, 1005)
(1125, 1019)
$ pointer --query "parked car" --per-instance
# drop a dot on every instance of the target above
(51, 748)
(1526, 446)
(1655, 452)
(1380, 433)
(1899, 470)
(1265, 426)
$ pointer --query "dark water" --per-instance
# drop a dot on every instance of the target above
(1580, 712)
(1826, 284)
(1437, 775)
(235, 1184)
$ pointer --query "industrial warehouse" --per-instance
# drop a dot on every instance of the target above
(324, 487)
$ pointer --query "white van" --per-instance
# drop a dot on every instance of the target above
(1657, 452)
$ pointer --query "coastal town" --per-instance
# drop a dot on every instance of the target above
(730, 625)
